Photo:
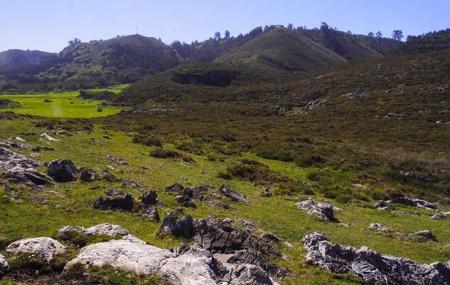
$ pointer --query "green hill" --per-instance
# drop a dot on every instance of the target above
(430, 42)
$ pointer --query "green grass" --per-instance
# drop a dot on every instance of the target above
(59, 105)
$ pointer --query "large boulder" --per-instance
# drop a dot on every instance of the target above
(62, 170)
(42, 249)
(28, 176)
(189, 268)
(119, 201)
(149, 199)
(320, 210)
(4, 267)
(369, 266)
(178, 223)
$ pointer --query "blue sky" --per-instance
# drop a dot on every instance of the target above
(49, 24)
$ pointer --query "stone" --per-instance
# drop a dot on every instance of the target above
(386, 204)
(132, 183)
(271, 237)
(189, 268)
(369, 266)
(320, 210)
(122, 202)
(247, 274)
(266, 192)
(106, 230)
(69, 232)
(149, 198)
(43, 249)
(380, 228)
(185, 199)
(29, 176)
(88, 175)
(151, 213)
(382, 205)
(115, 159)
(175, 188)
(441, 215)
(4, 267)
(425, 235)
(47, 137)
(178, 223)
(258, 258)
(231, 194)
(62, 170)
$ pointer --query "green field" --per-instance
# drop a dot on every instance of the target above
(60, 105)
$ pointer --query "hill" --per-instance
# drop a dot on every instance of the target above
(25, 60)
(429, 42)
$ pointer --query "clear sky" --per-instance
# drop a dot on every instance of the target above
(49, 24)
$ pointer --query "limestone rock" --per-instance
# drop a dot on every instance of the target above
(320, 210)
(62, 170)
(231, 194)
(116, 201)
(380, 228)
(107, 230)
(4, 267)
(42, 248)
(369, 266)
(178, 224)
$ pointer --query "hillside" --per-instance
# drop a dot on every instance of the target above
(429, 42)
(25, 61)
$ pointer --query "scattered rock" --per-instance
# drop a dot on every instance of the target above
(387, 204)
(40, 148)
(67, 233)
(186, 196)
(88, 175)
(45, 136)
(247, 274)
(231, 194)
(175, 188)
(266, 192)
(115, 159)
(380, 228)
(423, 236)
(62, 170)
(441, 215)
(178, 223)
(151, 213)
(320, 210)
(271, 237)
(42, 248)
(28, 176)
(119, 201)
(106, 230)
(4, 267)
(369, 266)
(132, 183)
(109, 177)
(149, 198)
(10, 159)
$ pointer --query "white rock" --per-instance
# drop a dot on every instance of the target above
(106, 230)
(192, 267)
(45, 136)
(3, 265)
(43, 248)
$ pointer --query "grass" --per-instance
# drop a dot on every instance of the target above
(71, 203)
(60, 105)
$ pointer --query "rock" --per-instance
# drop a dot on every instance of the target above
(4, 267)
(257, 258)
(115, 159)
(151, 213)
(45, 136)
(88, 175)
(386, 204)
(10, 159)
(109, 177)
(231, 194)
(178, 224)
(190, 268)
(43, 249)
(441, 215)
(380, 228)
(123, 202)
(369, 266)
(271, 237)
(107, 230)
(40, 148)
(247, 274)
(66, 232)
(266, 192)
(175, 188)
(29, 176)
(132, 183)
(320, 210)
(62, 170)
(424, 235)
(149, 198)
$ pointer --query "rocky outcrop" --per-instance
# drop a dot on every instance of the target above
(62, 170)
(320, 210)
(149, 199)
(178, 223)
(42, 249)
(369, 266)
(115, 159)
(115, 201)
(186, 196)
(231, 194)
(247, 274)
(4, 267)
(441, 216)
(380, 228)
(386, 204)
(20, 169)
(107, 230)
(88, 175)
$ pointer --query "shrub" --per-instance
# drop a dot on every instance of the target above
(147, 140)
(170, 154)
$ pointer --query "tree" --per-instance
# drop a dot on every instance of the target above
(324, 26)
(74, 42)
(227, 34)
(290, 26)
(217, 36)
(379, 34)
(397, 35)
(371, 35)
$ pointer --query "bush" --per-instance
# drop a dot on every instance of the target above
(274, 153)
(253, 171)
(170, 154)
(147, 140)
